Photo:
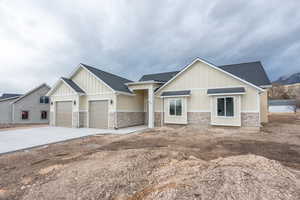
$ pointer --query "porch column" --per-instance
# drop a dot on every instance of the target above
(151, 107)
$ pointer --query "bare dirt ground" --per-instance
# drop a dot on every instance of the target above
(162, 163)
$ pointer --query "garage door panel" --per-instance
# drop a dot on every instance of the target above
(98, 114)
(64, 114)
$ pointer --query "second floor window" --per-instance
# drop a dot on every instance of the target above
(44, 100)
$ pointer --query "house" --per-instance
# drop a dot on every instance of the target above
(282, 106)
(30, 108)
(201, 93)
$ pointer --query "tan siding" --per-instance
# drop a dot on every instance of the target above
(200, 77)
(264, 107)
(131, 103)
(89, 83)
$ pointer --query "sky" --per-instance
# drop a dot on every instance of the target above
(43, 40)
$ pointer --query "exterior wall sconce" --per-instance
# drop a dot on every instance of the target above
(111, 101)
(51, 103)
(74, 103)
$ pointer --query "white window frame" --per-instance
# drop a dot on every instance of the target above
(175, 99)
(224, 97)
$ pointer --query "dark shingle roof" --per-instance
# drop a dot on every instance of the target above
(252, 72)
(73, 85)
(282, 102)
(9, 95)
(162, 77)
(115, 82)
(226, 90)
(176, 93)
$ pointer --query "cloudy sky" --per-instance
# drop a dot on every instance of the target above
(41, 40)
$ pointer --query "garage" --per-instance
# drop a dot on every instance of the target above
(282, 106)
(64, 113)
(98, 114)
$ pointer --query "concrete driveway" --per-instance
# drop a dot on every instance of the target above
(14, 140)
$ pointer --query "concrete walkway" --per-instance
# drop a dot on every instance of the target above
(14, 140)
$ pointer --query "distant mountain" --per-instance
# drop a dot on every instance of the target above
(285, 80)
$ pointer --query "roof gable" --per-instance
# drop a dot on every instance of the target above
(115, 82)
(214, 67)
(31, 91)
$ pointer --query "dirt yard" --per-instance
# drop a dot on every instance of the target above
(162, 163)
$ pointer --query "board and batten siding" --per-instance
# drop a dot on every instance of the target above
(199, 78)
(89, 83)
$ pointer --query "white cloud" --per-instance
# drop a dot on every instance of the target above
(42, 40)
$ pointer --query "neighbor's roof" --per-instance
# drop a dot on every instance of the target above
(176, 93)
(31, 91)
(226, 90)
(162, 77)
(252, 72)
(73, 85)
(282, 102)
(115, 82)
(9, 95)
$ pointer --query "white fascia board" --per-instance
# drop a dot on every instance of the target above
(53, 88)
(213, 66)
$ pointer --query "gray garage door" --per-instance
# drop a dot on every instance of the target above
(98, 114)
(64, 113)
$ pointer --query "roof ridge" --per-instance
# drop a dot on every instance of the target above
(106, 72)
(240, 63)
(162, 73)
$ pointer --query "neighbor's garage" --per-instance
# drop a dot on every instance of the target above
(282, 106)
(64, 113)
(98, 114)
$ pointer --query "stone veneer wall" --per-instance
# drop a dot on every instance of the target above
(75, 120)
(83, 119)
(250, 119)
(199, 118)
(157, 119)
(126, 119)
(112, 120)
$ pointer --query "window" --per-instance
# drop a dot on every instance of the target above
(225, 107)
(24, 115)
(44, 115)
(44, 100)
(175, 107)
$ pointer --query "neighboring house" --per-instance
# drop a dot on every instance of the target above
(282, 106)
(30, 108)
(201, 93)
(9, 95)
